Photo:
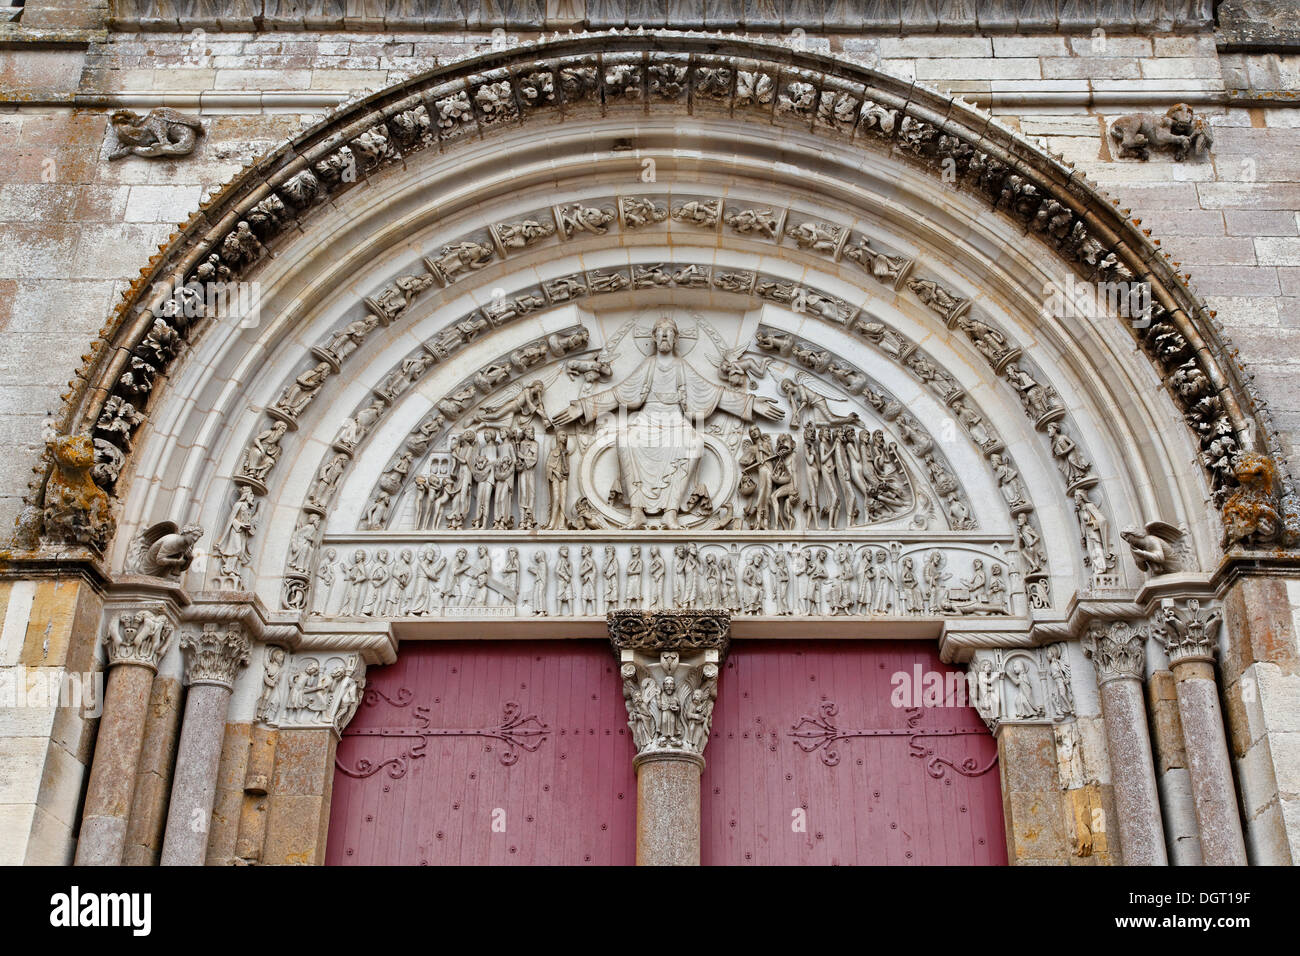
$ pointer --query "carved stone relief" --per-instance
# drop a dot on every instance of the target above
(138, 637)
(1019, 685)
(669, 668)
(163, 550)
(423, 577)
(455, 107)
(310, 690)
(164, 132)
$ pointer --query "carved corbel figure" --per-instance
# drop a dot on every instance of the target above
(1179, 130)
(163, 132)
(1157, 549)
(77, 510)
(164, 550)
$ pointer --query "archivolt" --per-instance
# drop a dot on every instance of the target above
(611, 75)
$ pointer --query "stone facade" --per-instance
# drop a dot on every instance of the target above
(78, 225)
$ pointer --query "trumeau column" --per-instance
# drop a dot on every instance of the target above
(1118, 650)
(669, 668)
(1190, 635)
(135, 642)
(213, 656)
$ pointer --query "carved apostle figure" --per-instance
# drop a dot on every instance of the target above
(988, 700)
(557, 477)
(541, 573)
(267, 707)
(659, 450)
(670, 713)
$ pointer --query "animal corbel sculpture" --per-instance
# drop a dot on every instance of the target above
(1179, 130)
(164, 132)
(1250, 516)
(77, 510)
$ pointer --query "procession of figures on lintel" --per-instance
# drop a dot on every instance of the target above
(587, 580)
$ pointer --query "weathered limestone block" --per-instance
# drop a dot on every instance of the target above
(1031, 792)
(299, 802)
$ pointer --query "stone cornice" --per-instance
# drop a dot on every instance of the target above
(993, 17)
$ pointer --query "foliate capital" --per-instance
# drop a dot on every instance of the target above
(1189, 632)
(214, 654)
(1117, 650)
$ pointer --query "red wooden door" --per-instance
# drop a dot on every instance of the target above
(812, 760)
(483, 752)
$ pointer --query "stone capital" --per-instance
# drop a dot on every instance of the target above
(139, 637)
(214, 653)
(1023, 685)
(669, 667)
(1190, 632)
(1117, 649)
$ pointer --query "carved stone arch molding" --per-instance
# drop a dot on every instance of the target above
(967, 224)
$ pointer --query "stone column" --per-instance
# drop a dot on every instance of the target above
(669, 669)
(212, 658)
(1118, 650)
(1190, 637)
(135, 643)
(1175, 782)
(1259, 671)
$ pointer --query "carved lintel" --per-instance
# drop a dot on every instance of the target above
(1117, 649)
(1190, 632)
(138, 637)
(214, 653)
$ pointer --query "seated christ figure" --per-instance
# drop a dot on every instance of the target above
(658, 448)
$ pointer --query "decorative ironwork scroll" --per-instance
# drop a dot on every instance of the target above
(517, 731)
(819, 735)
